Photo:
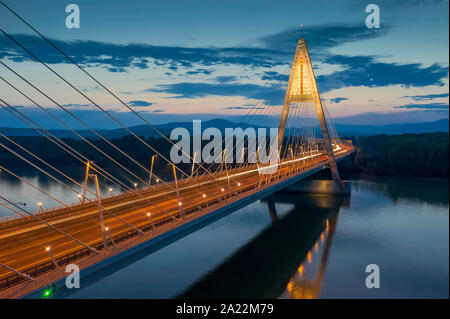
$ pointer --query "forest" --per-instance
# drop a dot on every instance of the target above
(423, 155)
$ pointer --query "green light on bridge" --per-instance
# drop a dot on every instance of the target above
(48, 291)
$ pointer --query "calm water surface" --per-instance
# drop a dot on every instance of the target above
(317, 246)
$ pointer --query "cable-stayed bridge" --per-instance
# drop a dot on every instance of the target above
(96, 230)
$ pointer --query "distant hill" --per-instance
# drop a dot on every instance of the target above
(399, 128)
(144, 130)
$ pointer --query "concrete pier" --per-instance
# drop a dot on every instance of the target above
(328, 187)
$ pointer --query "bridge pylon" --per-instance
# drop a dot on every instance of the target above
(302, 87)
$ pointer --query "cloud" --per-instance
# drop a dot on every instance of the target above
(322, 37)
(402, 4)
(432, 106)
(225, 79)
(243, 108)
(338, 99)
(366, 71)
(199, 71)
(274, 76)
(76, 105)
(198, 90)
(138, 103)
(158, 111)
(120, 58)
(426, 97)
(277, 50)
(356, 71)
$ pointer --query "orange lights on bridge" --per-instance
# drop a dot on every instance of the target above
(300, 270)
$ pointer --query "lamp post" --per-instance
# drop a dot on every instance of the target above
(88, 164)
(111, 237)
(151, 170)
(49, 250)
(149, 215)
(206, 201)
(193, 164)
(40, 207)
(178, 191)
(100, 210)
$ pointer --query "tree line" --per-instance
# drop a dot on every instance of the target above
(405, 154)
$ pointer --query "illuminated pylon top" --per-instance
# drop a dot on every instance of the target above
(301, 89)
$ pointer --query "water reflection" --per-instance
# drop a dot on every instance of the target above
(26, 193)
(430, 191)
(302, 287)
(264, 267)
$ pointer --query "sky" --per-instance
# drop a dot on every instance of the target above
(182, 60)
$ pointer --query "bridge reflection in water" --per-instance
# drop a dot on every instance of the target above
(286, 260)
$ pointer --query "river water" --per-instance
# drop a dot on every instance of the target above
(290, 246)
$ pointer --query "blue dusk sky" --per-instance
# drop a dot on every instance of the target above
(181, 60)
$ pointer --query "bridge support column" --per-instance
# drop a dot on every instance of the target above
(180, 204)
(151, 170)
(100, 211)
(86, 176)
(272, 209)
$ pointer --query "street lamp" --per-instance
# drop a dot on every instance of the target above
(149, 215)
(111, 237)
(40, 207)
(110, 192)
(204, 196)
(151, 170)
(49, 250)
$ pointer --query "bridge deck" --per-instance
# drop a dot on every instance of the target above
(23, 240)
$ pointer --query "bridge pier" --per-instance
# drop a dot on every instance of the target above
(328, 187)
(272, 209)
